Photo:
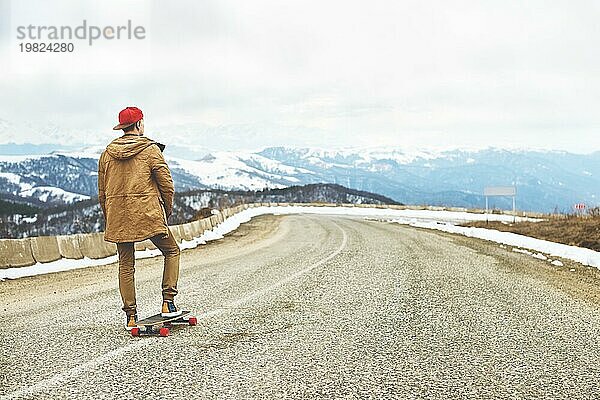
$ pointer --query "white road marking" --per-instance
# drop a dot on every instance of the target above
(111, 355)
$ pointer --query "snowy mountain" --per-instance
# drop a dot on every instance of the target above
(53, 179)
(242, 171)
(545, 180)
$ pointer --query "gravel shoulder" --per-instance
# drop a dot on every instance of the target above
(582, 282)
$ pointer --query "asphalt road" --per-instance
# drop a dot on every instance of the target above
(314, 307)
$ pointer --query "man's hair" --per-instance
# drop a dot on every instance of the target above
(129, 128)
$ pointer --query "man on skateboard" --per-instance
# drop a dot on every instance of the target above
(135, 190)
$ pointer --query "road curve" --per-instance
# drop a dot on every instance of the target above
(304, 306)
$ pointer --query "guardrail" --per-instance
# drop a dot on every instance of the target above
(43, 249)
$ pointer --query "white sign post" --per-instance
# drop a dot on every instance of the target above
(500, 191)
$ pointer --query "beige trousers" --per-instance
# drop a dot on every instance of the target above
(170, 250)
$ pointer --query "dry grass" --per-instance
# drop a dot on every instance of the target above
(571, 230)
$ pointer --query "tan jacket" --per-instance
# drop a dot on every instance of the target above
(135, 189)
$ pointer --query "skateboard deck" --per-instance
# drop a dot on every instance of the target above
(159, 325)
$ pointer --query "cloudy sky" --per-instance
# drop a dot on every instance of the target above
(249, 74)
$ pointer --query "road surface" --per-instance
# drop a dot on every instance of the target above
(305, 306)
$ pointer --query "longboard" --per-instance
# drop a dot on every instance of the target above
(159, 325)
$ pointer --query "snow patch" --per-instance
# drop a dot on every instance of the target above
(228, 171)
(12, 178)
(44, 193)
(18, 159)
(523, 251)
(29, 220)
(16, 180)
(64, 264)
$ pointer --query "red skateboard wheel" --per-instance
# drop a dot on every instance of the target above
(135, 332)
(163, 332)
(193, 321)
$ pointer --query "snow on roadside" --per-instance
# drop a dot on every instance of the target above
(233, 222)
(523, 244)
(65, 264)
(414, 215)
(45, 192)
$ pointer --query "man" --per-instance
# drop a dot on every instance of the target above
(135, 190)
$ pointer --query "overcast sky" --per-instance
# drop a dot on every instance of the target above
(249, 74)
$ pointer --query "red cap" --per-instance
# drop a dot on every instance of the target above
(128, 116)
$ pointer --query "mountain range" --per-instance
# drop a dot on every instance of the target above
(546, 181)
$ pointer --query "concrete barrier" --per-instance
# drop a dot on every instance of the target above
(186, 231)
(45, 249)
(196, 228)
(15, 253)
(92, 245)
(144, 245)
(176, 231)
(436, 208)
(206, 224)
(110, 247)
(68, 245)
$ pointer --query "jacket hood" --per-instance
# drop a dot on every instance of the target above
(128, 146)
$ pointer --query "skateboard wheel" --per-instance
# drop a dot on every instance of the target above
(193, 321)
(135, 332)
(163, 332)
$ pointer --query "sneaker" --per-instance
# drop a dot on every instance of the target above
(169, 309)
(131, 322)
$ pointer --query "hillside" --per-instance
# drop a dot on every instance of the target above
(20, 220)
